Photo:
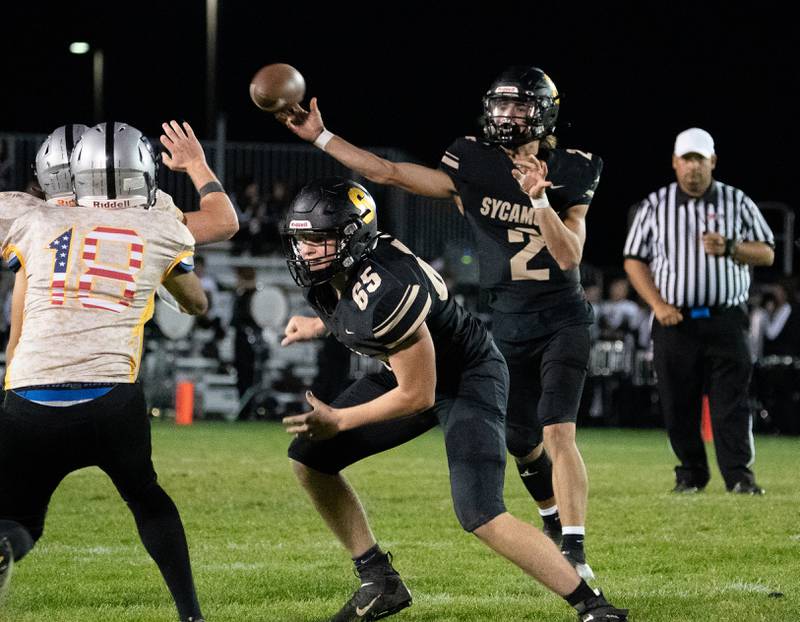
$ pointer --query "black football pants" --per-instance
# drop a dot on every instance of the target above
(706, 355)
(40, 445)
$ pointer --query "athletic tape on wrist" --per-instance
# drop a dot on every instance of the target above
(323, 139)
(541, 202)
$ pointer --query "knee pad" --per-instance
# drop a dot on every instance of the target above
(305, 453)
(477, 490)
(523, 439)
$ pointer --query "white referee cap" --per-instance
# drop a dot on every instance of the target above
(694, 140)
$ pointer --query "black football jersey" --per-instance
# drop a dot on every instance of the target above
(516, 268)
(387, 298)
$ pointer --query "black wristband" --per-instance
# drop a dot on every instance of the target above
(212, 186)
(730, 247)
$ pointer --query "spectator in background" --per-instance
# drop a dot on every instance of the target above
(777, 323)
(688, 254)
(210, 320)
(618, 317)
(617, 320)
(252, 211)
(644, 335)
(782, 322)
(277, 203)
(247, 334)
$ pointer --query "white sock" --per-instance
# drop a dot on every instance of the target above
(573, 531)
(548, 511)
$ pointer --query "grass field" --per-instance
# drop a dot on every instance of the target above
(261, 554)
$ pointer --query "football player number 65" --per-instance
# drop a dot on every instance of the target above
(100, 284)
(370, 281)
(519, 262)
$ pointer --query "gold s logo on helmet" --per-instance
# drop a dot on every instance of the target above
(553, 89)
(364, 202)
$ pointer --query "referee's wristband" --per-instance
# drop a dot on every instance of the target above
(212, 186)
(323, 139)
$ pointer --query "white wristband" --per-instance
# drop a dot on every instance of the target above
(541, 202)
(323, 139)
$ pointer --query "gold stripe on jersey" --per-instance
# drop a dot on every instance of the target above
(395, 317)
(8, 250)
(446, 159)
(433, 276)
(138, 333)
(178, 259)
(417, 323)
(390, 317)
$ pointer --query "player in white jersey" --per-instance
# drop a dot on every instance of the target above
(13, 205)
(86, 280)
(215, 221)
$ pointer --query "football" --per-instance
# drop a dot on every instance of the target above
(276, 86)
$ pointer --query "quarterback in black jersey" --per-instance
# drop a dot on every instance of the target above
(526, 202)
(442, 367)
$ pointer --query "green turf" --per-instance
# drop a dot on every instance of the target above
(261, 554)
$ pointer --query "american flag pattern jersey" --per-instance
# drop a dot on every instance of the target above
(91, 280)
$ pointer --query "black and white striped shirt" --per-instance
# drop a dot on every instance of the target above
(667, 233)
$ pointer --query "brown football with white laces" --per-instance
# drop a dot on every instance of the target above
(276, 87)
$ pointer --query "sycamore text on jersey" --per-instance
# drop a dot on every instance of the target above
(507, 211)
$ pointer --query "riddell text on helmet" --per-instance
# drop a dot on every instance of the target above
(112, 204)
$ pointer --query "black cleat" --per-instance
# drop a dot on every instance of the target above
(682, 488)
(381, 594)
(6, 566)
(598, 609)
(747, 488)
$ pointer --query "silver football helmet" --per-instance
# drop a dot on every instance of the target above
(52, 163)
(114, 166)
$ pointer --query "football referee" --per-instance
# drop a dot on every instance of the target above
(688, 254)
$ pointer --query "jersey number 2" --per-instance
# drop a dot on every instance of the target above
(117, 292)
(519, 262)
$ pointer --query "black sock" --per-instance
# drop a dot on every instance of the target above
(572, 542)
(552, 520)
(372, 556)
(581, 593)
(19, 538)
(537, 476)
(161, 531)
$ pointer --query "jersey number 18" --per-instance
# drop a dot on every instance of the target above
(120, 283)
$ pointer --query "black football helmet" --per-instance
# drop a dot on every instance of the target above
(523, 93)
(336, 209)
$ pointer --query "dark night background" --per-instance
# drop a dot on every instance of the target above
(631, 76)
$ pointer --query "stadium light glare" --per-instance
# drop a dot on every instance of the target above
(79, 47)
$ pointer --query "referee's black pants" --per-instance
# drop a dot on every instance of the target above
(706, 355)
